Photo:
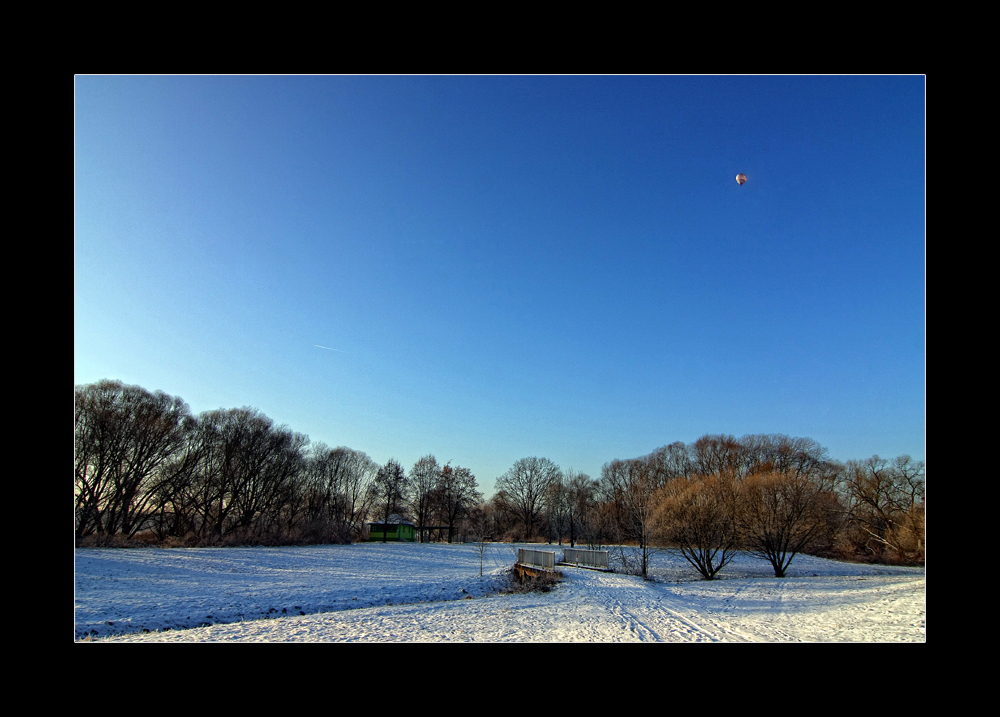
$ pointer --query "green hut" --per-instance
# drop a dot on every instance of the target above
(395, 530)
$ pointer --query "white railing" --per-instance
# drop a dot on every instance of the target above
(589, 558)
(536, 558)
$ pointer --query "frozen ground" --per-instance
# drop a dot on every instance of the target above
(433, 593)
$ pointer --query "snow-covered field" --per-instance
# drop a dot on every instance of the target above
(433, 593)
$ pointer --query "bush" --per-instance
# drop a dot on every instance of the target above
(543, 582)
(626, 559)
(110, 541)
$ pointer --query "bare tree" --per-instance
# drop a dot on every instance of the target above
(424, 477)
(631, 486)
(780, 513)
(248, 473)
(124, 436)
(698, 516)
(885, 507)
(99, 446)
(765, 453)
(340, 492)
(279, 510)
(570, 499)
(203, 499)
(503, 522)
(525, 486)
(718, 455)
(598, 526)
(580, 502)
(273, 460)
(172, 513)
(673, 461)
(356, 496)
(455, 493)
(390, 487)
(480, 522)
(557, 509)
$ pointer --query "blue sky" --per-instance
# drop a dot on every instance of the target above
(503, 267)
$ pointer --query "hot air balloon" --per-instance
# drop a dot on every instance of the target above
(741, 178)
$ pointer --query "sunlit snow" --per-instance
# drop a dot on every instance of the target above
(434, 593)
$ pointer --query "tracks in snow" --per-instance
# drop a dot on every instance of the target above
(647, 612)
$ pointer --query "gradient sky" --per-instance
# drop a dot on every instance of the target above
(490, 268)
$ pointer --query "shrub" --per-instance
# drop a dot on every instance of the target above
(544, 582)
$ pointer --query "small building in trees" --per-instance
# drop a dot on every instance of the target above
(396, 529)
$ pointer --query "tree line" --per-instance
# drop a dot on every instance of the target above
(147, 468)
(773, 496)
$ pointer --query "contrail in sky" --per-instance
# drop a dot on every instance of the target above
(329, 349)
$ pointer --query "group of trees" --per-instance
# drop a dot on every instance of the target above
(771, 495)
(145, 465)
(441, 499)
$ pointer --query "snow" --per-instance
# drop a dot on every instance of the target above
(372, 592)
